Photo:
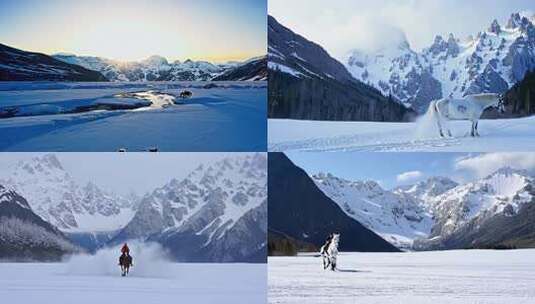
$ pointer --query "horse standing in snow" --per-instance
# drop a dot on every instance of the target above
(470, 107)
(329, 252)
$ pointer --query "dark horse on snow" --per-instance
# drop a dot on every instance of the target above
(185, 94)
(125, 261)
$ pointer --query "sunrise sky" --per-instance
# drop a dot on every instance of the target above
(136, 29)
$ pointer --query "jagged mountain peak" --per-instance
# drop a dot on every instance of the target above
(508, 171)
(515, 20)
(156, 60)
(398, 218)
(490, 63)
(211, 201)
(505, 182)
(63, 201)
(495, 27)
(41, 164)
(328, 178)
(8, 195)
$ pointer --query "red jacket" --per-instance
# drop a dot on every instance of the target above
(125, 249)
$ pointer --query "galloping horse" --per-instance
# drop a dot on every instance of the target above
(330, 253)
(469, 107)
(125, 261)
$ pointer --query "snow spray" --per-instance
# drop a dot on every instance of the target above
(426, 125)
(149, 260)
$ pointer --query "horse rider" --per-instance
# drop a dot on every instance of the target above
(125, 249)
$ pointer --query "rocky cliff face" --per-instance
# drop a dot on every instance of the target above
(493, 61)
(217, 213)
(26, 236)
(438, 213)
(305, 82)
(60, 200)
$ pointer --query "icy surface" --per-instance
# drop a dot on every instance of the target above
(96, 279)
(475, 276)
(227, 117)
(496, 135)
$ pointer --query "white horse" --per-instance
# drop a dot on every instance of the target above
(330, 254)
(469, 107)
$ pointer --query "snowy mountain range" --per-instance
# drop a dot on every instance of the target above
(492, 61)
(397, 218)
(305, 82)
(301, 215)
(217, 213)
(59, 199)
(157, 68)
(26, 236)
(19, 65)
(427, 214)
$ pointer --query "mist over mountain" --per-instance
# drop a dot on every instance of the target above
(490, 61)
(307, 83)
(217, 213)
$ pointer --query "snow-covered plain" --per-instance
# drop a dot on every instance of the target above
(496, 135)
(97, 279)
(229, 117)
(460, 276)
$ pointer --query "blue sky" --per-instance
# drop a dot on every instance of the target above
(342, 25)
(136, 29)
(393, 169)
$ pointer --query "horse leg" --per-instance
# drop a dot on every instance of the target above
(472, 132)
(440, 127)
(439, 123)
(477, 131)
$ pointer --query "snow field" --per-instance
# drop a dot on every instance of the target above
(438, 277)
(231, 117)
(96, 279)
(496, 136)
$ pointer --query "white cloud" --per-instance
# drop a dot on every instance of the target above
(343, 25)
(485, 164)
(409, 176)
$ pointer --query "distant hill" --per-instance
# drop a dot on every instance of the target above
(254, 69)
(19, 65)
